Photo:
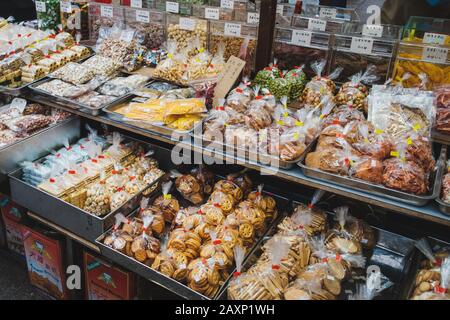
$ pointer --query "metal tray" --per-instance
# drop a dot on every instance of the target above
(169, 283)
(72, 103)
(37, 145)
(21, 89)
(418, 257)
(247, 154)
(443, 207)
(68, 216)
(142, 125)
(418, 200)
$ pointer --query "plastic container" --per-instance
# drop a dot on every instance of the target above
(239, 7)
(213, 13)
(239, 38)
(284, 14)
(427, 30)
(101, 15)
(297, 46)
(334, 14)
(186, 29)
(138, 4)
(149, 24)
(417, 58)
(75, 18)
(183, 7)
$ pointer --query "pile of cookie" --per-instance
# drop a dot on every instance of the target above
(305, 259)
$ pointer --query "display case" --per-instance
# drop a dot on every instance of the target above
(75, 18)
(417, 58)
(183, 7)
(149, 24)
(103, 15)
(335, 14)
(139, 4)
(427, 30)
(239, 7)
(297, 46)
(239, 39)
(322, 24)
(284, 14)
(184, 30)
(213, 13)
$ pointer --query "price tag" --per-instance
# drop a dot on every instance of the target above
(253, 17)
(66, 7)
(361, 45)
(212, 13)
(106, 11)
(227, 4)
(317, 24)
(372, 30)
(434, 38)
(136, 4)
(142, 16)
(232, 29)
(172, 7)
(436, 55)
(329, 13)
(301, 37)
(187, 24)
(127, 35)
(19, 104)
(40, 6)
(280, 9)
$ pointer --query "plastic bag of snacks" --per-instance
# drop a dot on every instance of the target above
(196, 186)
(167, 203)
(239, 97)
(98, 197)
(263, 77)
(173, 67)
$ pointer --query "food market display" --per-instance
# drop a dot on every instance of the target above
(443, 106)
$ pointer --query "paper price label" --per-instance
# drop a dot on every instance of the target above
(172, 7)
(301, 37)
(329, 13)
(232, 29)
(317, 24)
(253, 17)
(127, 35)
(187, 24)
(106, 12)
(136, 4)
(142, 16)
(212, 13)
(40, 6)
(434, 38)
(227, 4)
(65, 7)
(436, 55)
(372, 30)
(280, 9)
(361, 45)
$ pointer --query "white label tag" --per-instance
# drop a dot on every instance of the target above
(136, 4)
(232, 29)
(280, 9)
(127, 35)
(317, 24)
(361, 45)
(65, 7)
(19, 104)
(434, 38)
(40, 6)
(301, 37)
(253, 17)
(436, 55)
(227, 4)
(142, 16)
(106, 11)
(212, 13)
(329, 13)
(172, 7)
(187, 24)
(372, 30)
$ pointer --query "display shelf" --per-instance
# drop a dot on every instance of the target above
(429, 212)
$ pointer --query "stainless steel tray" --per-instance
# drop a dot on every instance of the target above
(168, 283)
(443, 207)
(37, 145)
(21, 89)
(247, 154)
(68, 216)
(142, 125)
(418, 200)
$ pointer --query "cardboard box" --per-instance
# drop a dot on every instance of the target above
(106, 282)
(44, 262)
(10, 209)
(13, 230)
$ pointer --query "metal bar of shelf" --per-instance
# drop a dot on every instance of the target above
(429, 212)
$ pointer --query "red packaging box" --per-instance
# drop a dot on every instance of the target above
(14, 240)
(104, 282)
(44, 262)
(10, 209)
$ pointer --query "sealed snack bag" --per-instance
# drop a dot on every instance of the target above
(173, 67)
(218, 62)
(145, 247)
(168, 204)
(269, 73)
(239, 97)
(98, 197)
(319, 86)
(296, 80)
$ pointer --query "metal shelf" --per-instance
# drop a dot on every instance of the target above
(429, 212)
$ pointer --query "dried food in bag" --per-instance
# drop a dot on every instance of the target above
(98, 198)
(263, 77)
(240, 97)
(405, 176)
(168, 204)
